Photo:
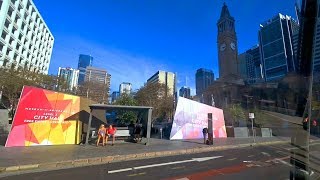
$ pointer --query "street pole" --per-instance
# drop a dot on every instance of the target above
(251, 117)
(253, 132)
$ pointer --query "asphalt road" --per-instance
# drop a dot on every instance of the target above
(261, 162)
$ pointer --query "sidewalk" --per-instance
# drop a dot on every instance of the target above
(23, 158)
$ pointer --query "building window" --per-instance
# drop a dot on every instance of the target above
(11, 40)
(18, 46)
(3, 35)
(5, 62)
(7, 23)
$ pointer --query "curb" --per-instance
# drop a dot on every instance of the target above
(129, 157)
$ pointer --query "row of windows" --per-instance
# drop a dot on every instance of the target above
(22, 50)
(275, 61)
(36, 23)
(271, 32)
(32, 46)
(273, 48)
(37, 34)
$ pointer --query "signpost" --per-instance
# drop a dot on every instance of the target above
(210, 130)
(251, 117)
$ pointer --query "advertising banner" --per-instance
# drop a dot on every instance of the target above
(44, 118)
(191, 117)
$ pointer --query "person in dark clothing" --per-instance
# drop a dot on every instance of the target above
(137, 133)
(131, 128)
(205, 133)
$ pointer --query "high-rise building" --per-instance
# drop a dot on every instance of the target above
(204, 78)
(115, 95)
(227, 44)
(25, 38)
(276, 46)
(125, 88)
(70, 76)
(84, 62)
(316, 48)
(245, 65)
(185, 92)
(256, 75)
(96, 85)
(167, 78)
(250, 65)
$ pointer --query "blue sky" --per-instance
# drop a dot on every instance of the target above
(132, 39)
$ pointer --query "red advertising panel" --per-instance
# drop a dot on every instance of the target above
(44, 118)
(191, 117)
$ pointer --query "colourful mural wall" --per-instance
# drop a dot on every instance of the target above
(45, 118)
(191, 117)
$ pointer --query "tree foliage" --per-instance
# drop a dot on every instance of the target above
(13, 79)
(95, 91)
(126, 116)
(156, 95)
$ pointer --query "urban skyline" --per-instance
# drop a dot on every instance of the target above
(111, 58)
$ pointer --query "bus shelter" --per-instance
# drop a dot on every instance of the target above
(145, 110)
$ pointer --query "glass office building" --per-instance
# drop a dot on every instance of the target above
(276, 46)
(84, 62)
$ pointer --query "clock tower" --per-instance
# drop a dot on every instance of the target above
(227, 44)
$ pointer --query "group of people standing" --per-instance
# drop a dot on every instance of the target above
(104, 133)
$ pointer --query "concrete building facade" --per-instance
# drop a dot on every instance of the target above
(70, 76)
(125, 88)
(25, 39)
(167, 78)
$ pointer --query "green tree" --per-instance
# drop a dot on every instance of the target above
(237, 113)
(125, 116)
(157, 96)
(14, 77)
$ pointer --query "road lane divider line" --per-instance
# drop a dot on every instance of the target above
(179, 167)
(120, 170)
(137, 174)
(165, 164)
(231, 159)
(266, 154)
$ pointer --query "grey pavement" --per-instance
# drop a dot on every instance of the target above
(17, 156)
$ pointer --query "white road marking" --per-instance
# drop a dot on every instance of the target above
(283, 162)
(231, 159)
(266, 154)
(165, 164)
(138, 174)
(120, 170)
(247, 161)
(177, 162)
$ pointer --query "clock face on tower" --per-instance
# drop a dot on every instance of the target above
(222, 47)
(233, 46)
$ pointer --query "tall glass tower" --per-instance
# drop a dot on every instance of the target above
(84, 62)
(277, 46)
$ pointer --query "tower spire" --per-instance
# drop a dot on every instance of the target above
(225, 11)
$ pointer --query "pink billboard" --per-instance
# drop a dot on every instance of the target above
(191, 117)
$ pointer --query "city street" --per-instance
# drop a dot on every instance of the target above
(263, 162)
